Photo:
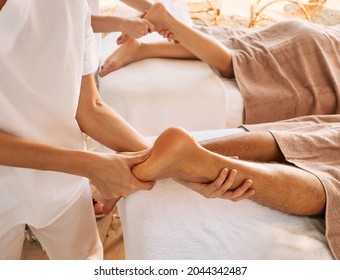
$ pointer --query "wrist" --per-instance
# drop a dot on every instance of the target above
(107, 24)
(122, 24)
(74, 162)
(78, 163)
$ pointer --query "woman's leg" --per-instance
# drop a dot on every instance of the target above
(133, 51)
(193, 44)
(176, 154)
(203, 46)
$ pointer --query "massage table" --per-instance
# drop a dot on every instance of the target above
(171, 221)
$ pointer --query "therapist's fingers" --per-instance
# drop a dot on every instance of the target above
(226, 184)
(213, 189)
(220, 188)
(151, 27)
(206, 189)
(242, 192)
(146, 153)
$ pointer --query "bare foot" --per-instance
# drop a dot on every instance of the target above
(124, 55)
(176, 154)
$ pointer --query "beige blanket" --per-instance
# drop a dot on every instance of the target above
(287, 70)
(313, 144)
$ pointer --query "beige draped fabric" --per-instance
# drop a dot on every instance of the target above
(286, 70)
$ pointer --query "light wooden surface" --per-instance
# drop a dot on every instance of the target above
(110, 234)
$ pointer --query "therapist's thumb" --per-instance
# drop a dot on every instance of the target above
(140, 158)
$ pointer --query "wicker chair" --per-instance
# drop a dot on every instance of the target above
(261, 14)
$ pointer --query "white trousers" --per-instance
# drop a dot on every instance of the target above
(73, 236)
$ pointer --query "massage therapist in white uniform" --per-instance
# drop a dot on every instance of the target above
(48, 101)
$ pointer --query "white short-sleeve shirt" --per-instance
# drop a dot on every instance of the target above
(95, 10)
(46, 46)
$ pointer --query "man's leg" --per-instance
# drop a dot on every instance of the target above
(11, 243)
(254, 146)
(201, 45)
(279, 186)
(74, 235)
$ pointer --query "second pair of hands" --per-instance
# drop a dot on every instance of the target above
(137, 27)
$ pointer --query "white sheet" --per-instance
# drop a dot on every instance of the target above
(235, 108)
(173, 222)
(154, 94)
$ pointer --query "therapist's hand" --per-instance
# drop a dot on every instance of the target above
(109, 204)
(135, 27)
(112, 176)
(220, 188)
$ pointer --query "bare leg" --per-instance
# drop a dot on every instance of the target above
(256, 146)
(193, 45)
(134, 50)
(201, 45)
(279, 186)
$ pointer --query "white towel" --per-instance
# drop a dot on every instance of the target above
(173, 222)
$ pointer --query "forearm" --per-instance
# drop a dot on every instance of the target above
(102, 123)
(110, 173)
(108, 128)
(18, 152)
(140, 5)
(107, 24)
